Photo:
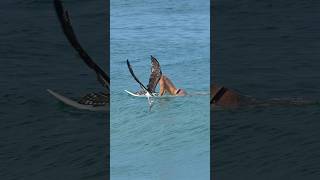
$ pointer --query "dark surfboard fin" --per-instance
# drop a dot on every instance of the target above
(65, 22)
(155, 74)
(135, 77)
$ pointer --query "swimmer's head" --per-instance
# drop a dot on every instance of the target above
(181, 92)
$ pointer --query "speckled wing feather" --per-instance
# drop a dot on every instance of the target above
(155, 74)
(95, 99)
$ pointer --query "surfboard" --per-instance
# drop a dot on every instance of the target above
(141, 95)
(76, 104)
(155, 95)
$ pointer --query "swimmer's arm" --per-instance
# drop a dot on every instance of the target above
(161, 92)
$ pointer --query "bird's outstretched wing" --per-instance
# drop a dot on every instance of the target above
(65, 22)
(135, 77)
(155, 74)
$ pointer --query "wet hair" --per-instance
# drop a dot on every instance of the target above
(179, 91)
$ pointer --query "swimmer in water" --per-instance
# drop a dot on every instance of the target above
(225, 97)
(166, 85)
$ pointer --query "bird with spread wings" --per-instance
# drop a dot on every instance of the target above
(95, 99)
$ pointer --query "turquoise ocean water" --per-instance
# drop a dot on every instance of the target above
(172, 140)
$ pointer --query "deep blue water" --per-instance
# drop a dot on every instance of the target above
(267, 49)
(172, 140)
(39, 137)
